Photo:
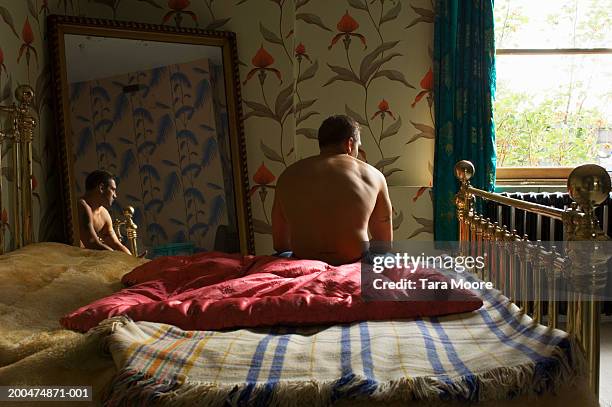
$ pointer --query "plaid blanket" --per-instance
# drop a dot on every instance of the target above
(492, 353)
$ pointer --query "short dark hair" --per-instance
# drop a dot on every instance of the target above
(335, 129)
(96, 178)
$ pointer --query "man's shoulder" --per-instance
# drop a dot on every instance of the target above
(82, 203)
(105, 212)
(371, 170)
(293, 169)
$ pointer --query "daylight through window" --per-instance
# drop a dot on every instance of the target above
(554, 83)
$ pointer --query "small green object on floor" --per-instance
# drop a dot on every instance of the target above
(173, 249)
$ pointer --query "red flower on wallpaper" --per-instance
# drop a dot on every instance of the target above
(347, 24)
(262, 61)
(383, 108)
(177, 9)
(27, 35)
(262, 58)
(427, 86)
(347, 27)
(300, 52)
(263, 178)
(2, 66)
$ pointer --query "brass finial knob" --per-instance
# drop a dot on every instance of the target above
(464, 170)
(589, 185)
(24, 94)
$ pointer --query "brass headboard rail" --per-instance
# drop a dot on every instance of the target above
(543, 210)
(528, 273)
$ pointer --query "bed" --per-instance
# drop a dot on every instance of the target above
(496, 355)
(421, 359)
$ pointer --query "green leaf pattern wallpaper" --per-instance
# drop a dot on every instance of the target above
(300, 61)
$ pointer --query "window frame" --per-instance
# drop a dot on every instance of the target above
(514, 174)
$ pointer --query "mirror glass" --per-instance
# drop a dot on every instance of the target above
(155, 114)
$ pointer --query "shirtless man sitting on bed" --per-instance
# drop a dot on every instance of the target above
(325, 205)
(95, 223)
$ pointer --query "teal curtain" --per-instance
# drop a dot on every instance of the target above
(464, 88)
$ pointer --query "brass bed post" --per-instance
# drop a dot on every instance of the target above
(463, 203)
(25, 131)
(464, 170)
(508, 252)
(131, 229)
(20, 135)
(589, 186)
(481, 233)
(514, 280)
(523, 271)
(474, 244)
(490, 238)
(536, 260)
(556, 269)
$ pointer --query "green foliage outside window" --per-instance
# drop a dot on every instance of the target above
(568, 122)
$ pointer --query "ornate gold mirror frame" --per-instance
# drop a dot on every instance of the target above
(62, 26)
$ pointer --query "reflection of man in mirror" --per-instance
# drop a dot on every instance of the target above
(325, 205)
(95, 223)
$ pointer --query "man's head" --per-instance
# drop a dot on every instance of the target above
(339, 134)
(101, 186)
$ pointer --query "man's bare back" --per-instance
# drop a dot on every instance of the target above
(325, 205)
(99, 218)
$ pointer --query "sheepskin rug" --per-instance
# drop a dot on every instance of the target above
(39, 284)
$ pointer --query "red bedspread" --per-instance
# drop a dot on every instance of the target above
(217, 291)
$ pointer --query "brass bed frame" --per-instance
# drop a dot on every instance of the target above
(19, 135)
(582, 267)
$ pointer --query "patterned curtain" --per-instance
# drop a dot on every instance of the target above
(464, 88)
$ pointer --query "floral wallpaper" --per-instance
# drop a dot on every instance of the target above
(162, 142)
(23, 60)
(300, 61)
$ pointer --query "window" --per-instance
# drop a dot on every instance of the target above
(553, 109)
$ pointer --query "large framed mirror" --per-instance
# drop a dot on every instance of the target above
(159, 108)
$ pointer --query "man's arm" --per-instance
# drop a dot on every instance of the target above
(87, 232)
(280, 227)
(381, 224)
(110, 237)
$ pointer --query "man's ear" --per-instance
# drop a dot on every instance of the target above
(350, 145)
